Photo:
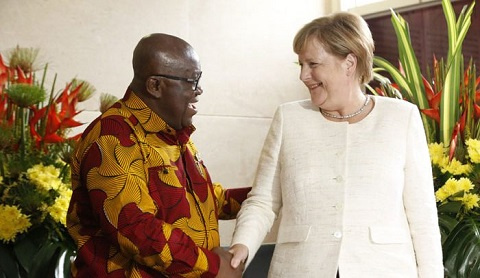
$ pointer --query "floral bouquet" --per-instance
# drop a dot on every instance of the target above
(35, 150)
(457, 181)
(449, 101)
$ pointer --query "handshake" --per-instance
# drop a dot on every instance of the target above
(232, 261)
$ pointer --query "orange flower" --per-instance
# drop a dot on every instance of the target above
(55, 122)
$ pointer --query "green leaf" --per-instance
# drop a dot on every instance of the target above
(395, 73)
(409, 61)
(446, 223)
(449, 104)
(67, 264)
(8, 263)
(46, 260)
(461, 250)
(25, 249)
(450, 207)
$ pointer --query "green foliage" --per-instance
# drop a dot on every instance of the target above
(25, 95)
(462, 249)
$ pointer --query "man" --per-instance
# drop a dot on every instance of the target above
(143, 204)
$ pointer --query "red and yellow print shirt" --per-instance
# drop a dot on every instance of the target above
(143, 204)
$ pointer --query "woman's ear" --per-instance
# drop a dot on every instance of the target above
(351, 63)
(154, 87)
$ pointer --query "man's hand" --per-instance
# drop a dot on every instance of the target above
(225, 269)
(240, 255)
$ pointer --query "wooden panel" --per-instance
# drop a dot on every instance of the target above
(380, 6)
(428, 33)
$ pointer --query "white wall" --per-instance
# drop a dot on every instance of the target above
(245, 47)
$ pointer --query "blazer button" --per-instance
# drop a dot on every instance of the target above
(338, 179)
(337, 234)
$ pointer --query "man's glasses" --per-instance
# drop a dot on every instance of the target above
(192, 81)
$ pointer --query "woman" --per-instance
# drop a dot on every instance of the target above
(349, 173)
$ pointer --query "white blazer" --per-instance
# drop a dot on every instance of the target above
(354, 197)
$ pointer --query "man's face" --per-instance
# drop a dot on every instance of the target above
(179, 98)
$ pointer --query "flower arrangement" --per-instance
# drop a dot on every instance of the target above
(35, 149)
(456, 181)
(450, 106)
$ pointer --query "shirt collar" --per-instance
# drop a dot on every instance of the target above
(150, 121)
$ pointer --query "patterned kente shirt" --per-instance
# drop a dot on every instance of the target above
(143, 204)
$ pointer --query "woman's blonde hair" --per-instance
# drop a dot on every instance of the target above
(341, 33)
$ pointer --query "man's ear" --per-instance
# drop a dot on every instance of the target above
(351, 63)
(154, 87)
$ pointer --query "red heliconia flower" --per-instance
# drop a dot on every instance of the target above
(379, 91)
(433, 99)
(51, 127)
(68, 101)
(476, 109)
(3, 73)
(24, 78)
(435, 69)
(5, 117)
(37, 115)
(453, 142)
(428, 90)
(3, 105)
(56, 121)
(462, 120)
(433, 113)
(476, 102)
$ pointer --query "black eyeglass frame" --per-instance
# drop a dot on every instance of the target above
(189, 80)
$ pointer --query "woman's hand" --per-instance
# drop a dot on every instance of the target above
(225, 269)
(240, 255)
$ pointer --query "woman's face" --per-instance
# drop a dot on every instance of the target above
(324, 74)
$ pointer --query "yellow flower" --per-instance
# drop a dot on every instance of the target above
(470, 200)
(12, 222)
(64, 191)
(447, 190)
(465, 184)
(58, 211)
(45, 177)
(453, 186)
(473, 150)
(437, 153)
(455, 167)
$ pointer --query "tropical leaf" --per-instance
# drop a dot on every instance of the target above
(8, 263)
(396, 75)
(45, 261)
(67, 263)
(447, 223)
(461, 250)
(457, 30)
(24, 251)
(409, 61)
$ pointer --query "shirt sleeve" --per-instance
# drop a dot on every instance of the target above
(113, 168)
(419, 201)
(229, 200)
(262, 206)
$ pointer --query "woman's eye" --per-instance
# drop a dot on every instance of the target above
(313, 65)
